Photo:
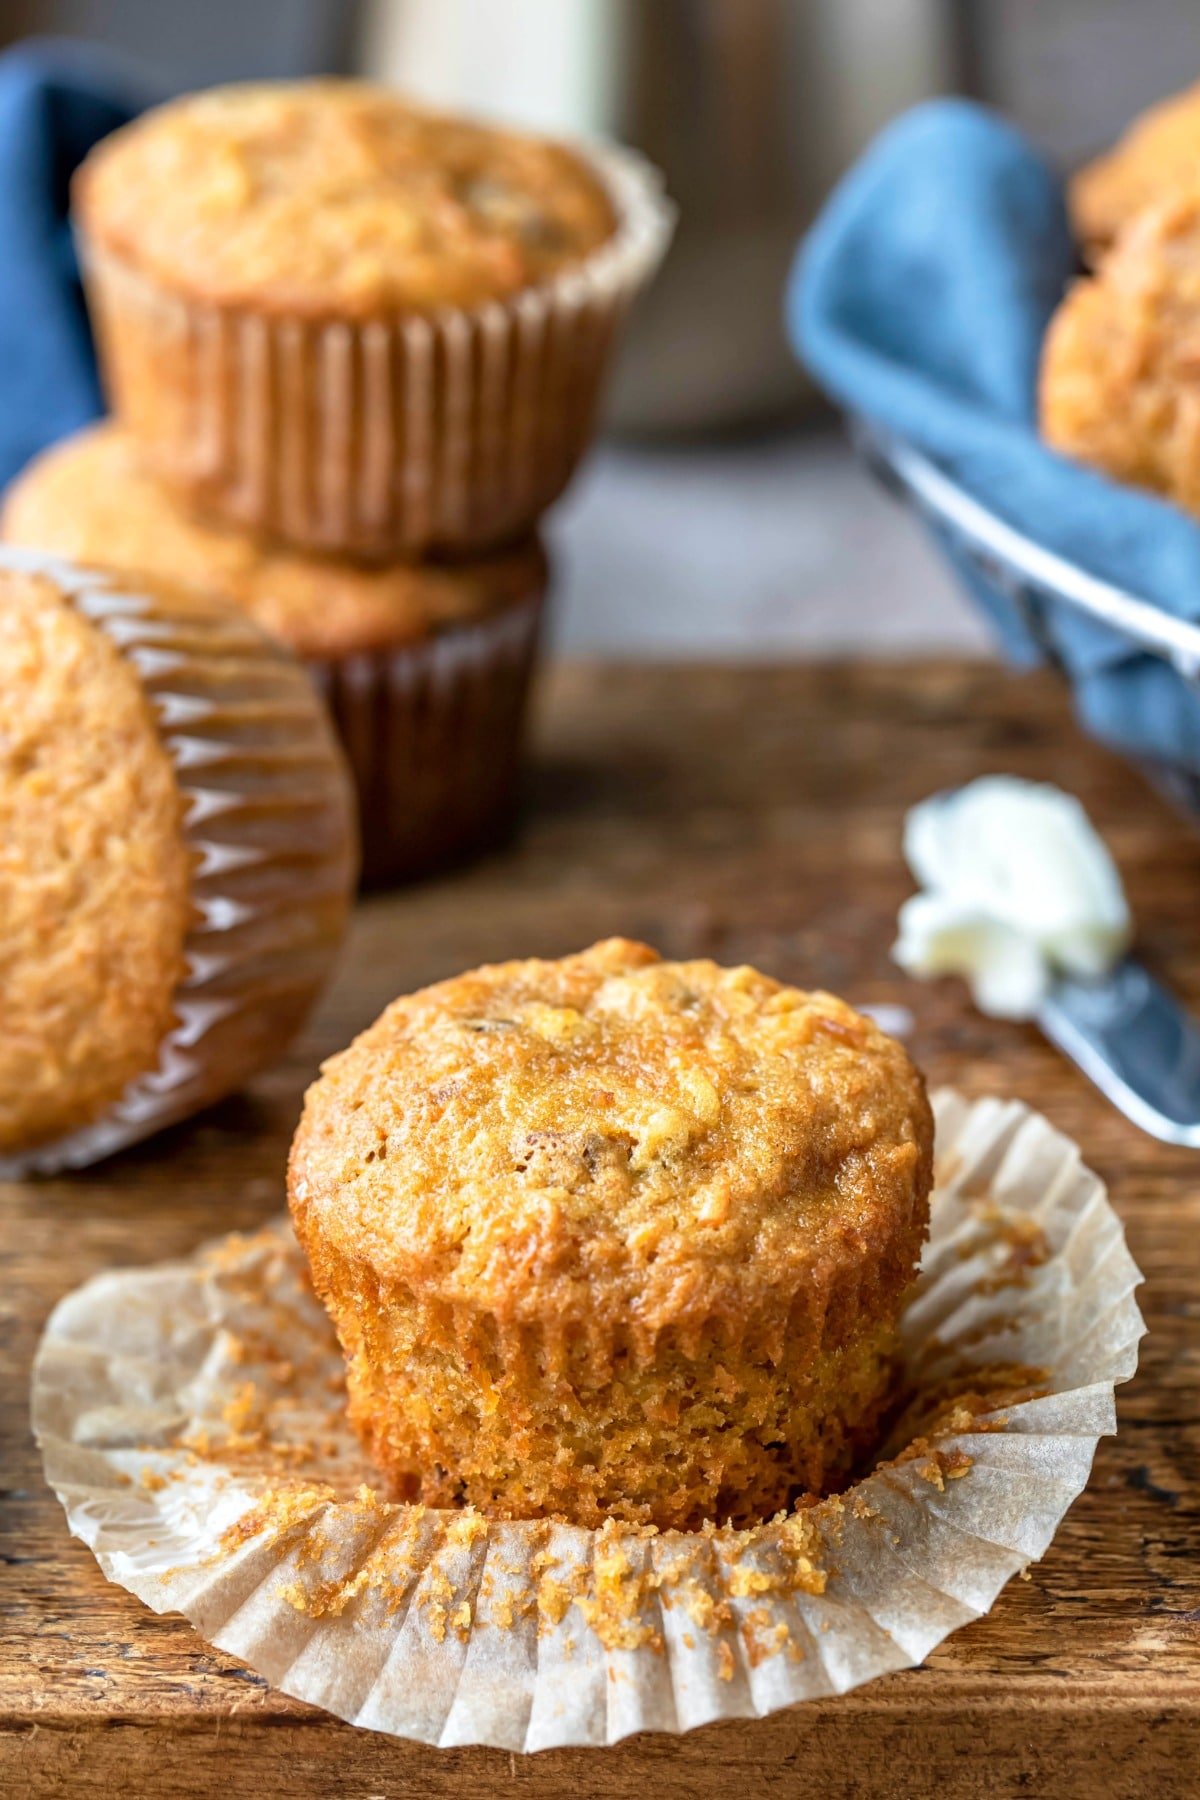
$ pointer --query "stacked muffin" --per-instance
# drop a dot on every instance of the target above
(354, 351)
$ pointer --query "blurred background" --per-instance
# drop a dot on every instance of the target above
(722, 515)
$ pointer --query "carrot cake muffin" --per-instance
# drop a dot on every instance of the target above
(614, 1236)
(426, 668)
(1158, 155)
(1118, 377)
(161, 933)
(367, 327)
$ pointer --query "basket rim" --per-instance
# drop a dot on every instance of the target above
(1024, 570)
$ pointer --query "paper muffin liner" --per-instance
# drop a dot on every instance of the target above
(433, 733)
(268, 818)
(388, 437)
(192, 1421)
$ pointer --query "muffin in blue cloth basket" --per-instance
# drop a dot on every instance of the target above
(920, 301)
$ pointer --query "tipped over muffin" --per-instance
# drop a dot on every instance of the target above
(614, 1236)
(176, 857)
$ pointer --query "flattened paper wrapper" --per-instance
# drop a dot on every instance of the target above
(191, 1418)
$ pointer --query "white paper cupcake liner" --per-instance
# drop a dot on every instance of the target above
(268, 818)
(188, 1415)
(392, 437)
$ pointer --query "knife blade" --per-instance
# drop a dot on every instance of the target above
(1133, 1039)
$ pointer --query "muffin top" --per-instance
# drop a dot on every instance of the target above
(88, 498)
(616, 1137)
(1159, 154)
(337, 197)
(1119, 362)
(94, 871)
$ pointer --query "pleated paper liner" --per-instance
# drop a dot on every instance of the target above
(268, 816)
(391, 437)
(433, 732)
(191, 1419)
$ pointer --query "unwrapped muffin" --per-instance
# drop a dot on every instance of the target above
(176, 857)
(426, 668)
(364, 327)
(1158, 156)
(615, 1237)
(1118, 385)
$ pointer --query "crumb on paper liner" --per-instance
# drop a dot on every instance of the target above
(191, 1419)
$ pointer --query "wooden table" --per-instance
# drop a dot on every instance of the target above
(751, 816)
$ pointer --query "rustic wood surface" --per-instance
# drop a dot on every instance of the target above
(750, 815)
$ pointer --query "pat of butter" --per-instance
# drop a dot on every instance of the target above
(1019, 888)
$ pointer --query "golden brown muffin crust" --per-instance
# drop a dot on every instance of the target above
(615, 1237)
(618, 1139)
(94, 871)
(89, 499)
(1159, 154)
(337, 197)
(1118, 385)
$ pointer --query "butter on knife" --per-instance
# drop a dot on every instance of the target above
(1022, 898)
(1018, 890)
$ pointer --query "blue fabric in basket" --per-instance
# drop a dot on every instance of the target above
(55, 102)
(919, 300)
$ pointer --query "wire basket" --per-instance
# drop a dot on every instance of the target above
(1031, 579)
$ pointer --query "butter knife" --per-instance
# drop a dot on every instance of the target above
(1132, 1038)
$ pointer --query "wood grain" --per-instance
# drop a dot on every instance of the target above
(751, 815)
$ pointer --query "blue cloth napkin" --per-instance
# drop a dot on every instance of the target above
(54, 104)
(919, 300)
